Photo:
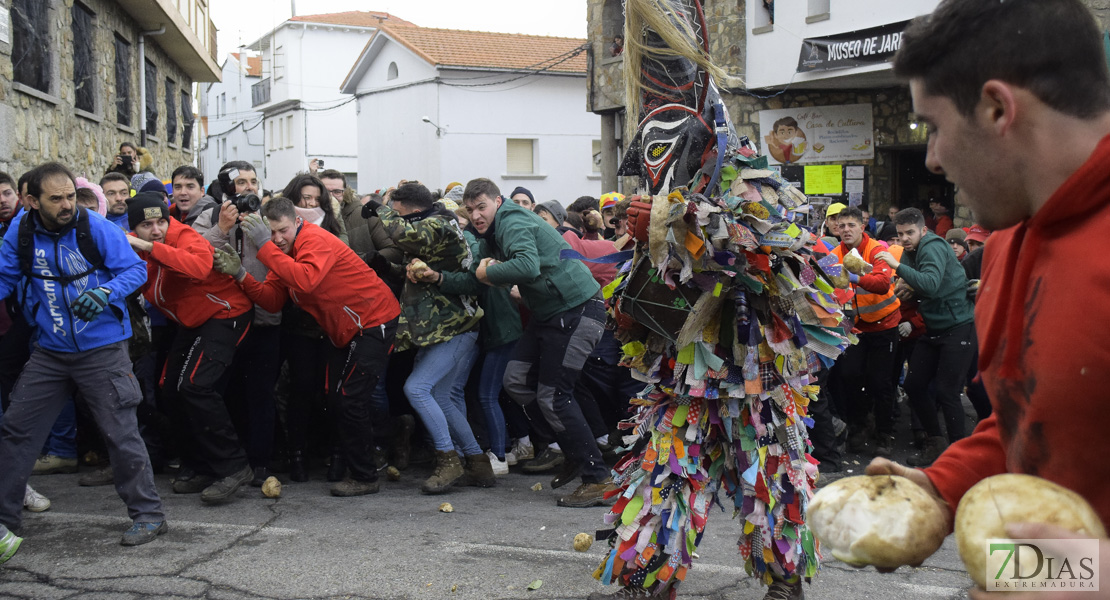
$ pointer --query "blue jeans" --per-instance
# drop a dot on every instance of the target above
(435, 390)
(489, 389)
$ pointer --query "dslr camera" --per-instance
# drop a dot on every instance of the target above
(245, 202)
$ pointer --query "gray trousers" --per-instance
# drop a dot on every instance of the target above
(104, 378)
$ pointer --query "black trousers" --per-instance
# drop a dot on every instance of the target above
(353, 372)
(866, 369)
(308, 371)
(941, 359)
(250, 391)
(195, 375)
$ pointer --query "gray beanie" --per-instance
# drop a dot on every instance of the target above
(556, 210)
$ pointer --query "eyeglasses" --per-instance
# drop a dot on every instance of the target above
(338, 193)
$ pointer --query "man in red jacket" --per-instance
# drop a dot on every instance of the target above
(353, 306)
(213, 315)
(1023, 129)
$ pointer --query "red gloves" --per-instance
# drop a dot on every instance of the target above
(639, 217)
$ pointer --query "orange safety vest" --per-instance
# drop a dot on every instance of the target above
(873, 307)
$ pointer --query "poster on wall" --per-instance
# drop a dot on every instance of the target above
(817, 134)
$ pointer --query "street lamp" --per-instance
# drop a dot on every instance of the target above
(428, 120)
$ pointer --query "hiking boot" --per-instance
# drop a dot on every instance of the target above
(478, 472)
(781, 590)
(933, 447)
(298, 467)
(588, 495)
(402, 441)
(521, 452)
(338, 468)
(223, 489)
(34, 501)
(448, 470)
(192, 485)
(884, 446)
(546, 461)
(567, 474)
(97, 478)
(9, 544)
(141, 533)
(500, 467)
(50, 464)
(353, 487)
(261, 474)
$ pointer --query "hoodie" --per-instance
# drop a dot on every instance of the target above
(1043, 351)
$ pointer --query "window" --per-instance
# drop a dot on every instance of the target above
(31, 44)
(279, 62)
(171, 111)
(123, 81)
(151, 99)
(289, 131)
(764, 16)
(221, 105)
(186, 119)
(521, 157)
(270, 126)
(392, 72)
(279, 139)
(84, 64)
(596, 158)
(223, 143)
(818, 11)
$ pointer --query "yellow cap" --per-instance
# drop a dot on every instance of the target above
(834, 209)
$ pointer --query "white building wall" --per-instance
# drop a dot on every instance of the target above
(772, 56)
(228, 127)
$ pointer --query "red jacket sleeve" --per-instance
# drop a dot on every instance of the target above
(270, 294)
(878, 280)
(968, 462)
(192, 257)
(304, 273)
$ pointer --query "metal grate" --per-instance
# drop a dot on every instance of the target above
(31, 43)
(84, 65)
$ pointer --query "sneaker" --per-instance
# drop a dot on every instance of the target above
(500, 467)
(588, 495)
(34, 501)
(50, 464)
(141, 533)
(567, 474)
(781, 590)
(521, 451)
(9, 544)
(224, 489)
(97, 478)
(194, 484)
(546, 461)
(353, 487)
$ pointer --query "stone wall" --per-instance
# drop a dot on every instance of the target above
(37, 127)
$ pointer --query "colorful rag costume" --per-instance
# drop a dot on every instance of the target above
(726, 315)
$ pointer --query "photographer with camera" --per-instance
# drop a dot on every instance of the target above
(250, 389)
(130, 160)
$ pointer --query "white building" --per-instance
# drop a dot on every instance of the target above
(304, 117)
(230, 129)
(441, 105)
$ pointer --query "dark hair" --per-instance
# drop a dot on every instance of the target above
(293, 193)
(5, 178)
(333, 174)
(189, 172)
(574, 219)
(852, 212)
(88, 196)
(115, 176)
(23, 181)
(480, 187)
(376, 197)
(413, 195)
(279, 208)
(909, 216)
(242, 165)
(1053, 48)
(128, 145)
(583, 203)
(788, 121)
(43, 172)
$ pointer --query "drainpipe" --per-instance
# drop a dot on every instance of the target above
(142, 80)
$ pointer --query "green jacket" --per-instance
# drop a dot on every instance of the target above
(939, 282)
(501, 323)
(430, 315)
(527, 250)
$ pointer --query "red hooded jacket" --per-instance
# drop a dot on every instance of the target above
(1044, 347)
(181, 283)
(328, 280)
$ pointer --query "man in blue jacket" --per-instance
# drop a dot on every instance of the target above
(74, 294)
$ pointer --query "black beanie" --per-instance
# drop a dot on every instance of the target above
(522, 190)
(146, 205)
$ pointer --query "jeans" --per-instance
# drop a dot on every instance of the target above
(941, 359)
(489, 390)
(435, 390)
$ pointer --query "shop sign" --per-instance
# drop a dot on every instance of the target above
(870, 46)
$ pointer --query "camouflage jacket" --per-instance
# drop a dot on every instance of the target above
(428, 316)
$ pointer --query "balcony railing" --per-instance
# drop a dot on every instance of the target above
(260, 92)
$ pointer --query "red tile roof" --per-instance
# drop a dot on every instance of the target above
(254, 64)
(357, 18)
(454, 48)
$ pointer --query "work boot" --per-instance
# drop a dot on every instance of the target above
(781, 590)
(448, 470)
(402, 440)
(223, 489)
(587, 495)
(338, 467)
(478, 472)
(567, 474)
(933, 447)
(97, 478)
(50, 464)
(298, 467)
(194, 484)
(547, 460)
(353, 487)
